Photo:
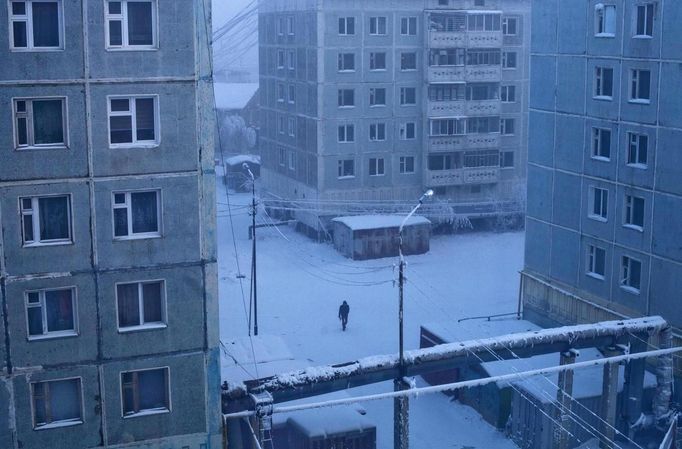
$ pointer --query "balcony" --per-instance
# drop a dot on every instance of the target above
(483, 107)
(458, 74)
(446, 74)
(490, 73)
(447, 39)
(463, 176)
(439, 144)
(484, 39)
(446, 108)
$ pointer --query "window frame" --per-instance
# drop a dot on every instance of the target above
(379, 131)
(28, 115)
(403, 165)
(49, 335)
(634, 143)
(377, 26)
(404, 95)
(345, 127)
(132, 112)
(505, 60)
(375, 58)
(291, 160)
(56, 424)
(504, 124)
(341, 97)
(503, 159)
(648, 33)
(345, 20)
(123, 17)
(409, 21)
(629, 212)
(377, 166)
(592, 251)
(635, 81)
(600, 21)
(282, 156)
(28, 19)
(625, 275)
(599, 78)
(403, 55)
(152, 325)
(406, 126)
(508, 91)
(128, 206)
(291, 59)
(341, 62)
(597, 144)
(35, 217)
(341, 166)
(291, 126)
(281, 59)
(505, 26)
(603, 214)
(146, 412)
(291, 94)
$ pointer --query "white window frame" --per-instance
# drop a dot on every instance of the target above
(341, 169)
(378, 166)
(634, 144)
(403, 96)
(376, 22)
(132, 112)
(281, 125)
(634, 86)
(597, 139)
(503, 165)
(505, 26)
(146, 412)
(507, 91)
(648, 34)
(28, 19)
(402, 60)
(291, 126)
(280, 58)
(599, 75)
(373, 97)
(128, 205)
(341, 66)
(404, 128)
(600, 20)
(291, 59)
(505, 60)
(280, 26)
(47, 334)
(503, 126)
(291, 157)
(281, 93)
(341, 95)
(410, 26)
(140, 298)
(291, 97)
(290, 21)
(402, 166)
(345, 21)
(345, 128)
(282, 156)
(377, 129)
(373, 60)
(626, 269)
(629, 212)
(35, 214)
(123, 17)
(603, 213)
(56, 424)
(592, 251)
(28, 115)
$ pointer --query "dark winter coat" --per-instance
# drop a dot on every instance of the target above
(344, 310)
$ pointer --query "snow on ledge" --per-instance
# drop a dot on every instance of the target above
(363, 222)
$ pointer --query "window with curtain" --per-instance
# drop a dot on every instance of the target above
(58, 401)
(46, 220)
(130, 24)
(40, 122)
(145, 390)
(140, 304)
(136, 214)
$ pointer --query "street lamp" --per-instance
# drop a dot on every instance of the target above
(245, 166)
(400, 404)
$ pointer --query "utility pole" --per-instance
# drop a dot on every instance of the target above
(253, 248)
(400, 404)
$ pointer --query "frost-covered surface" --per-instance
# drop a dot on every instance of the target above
(362, 222)
(233, 95)
(241, 158)
(302, 283)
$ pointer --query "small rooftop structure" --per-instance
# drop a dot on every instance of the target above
(362, 237)
(236, 176)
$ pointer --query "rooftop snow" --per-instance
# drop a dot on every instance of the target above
(360, 222)
(327, 422)
(241, 158)
(233, 95)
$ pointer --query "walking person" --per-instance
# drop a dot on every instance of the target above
(344, 309)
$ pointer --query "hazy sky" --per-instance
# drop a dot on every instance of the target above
(224, 9)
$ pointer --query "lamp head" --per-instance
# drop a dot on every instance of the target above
(428, 193)
(245, 166)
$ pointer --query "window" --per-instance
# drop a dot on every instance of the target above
(507, 126)
(447, 127)
(292, 126)
(346, 98)
(448, 22)
(57, 403)
(508, 59)
(346, 133)
(598, 203)
(291, 59)
(145, 391)
(377, 26)
(508, 94)
(280, 124)
(133, 120)
(407, 131)
(140, 305)
(376, 166)
(137, 214)
(377, 61)
(280, 58)
(507, 159)
(45, 220)
(408, 26)
(637, 149)
(509, 25)
(447, 57)
(634, 212)
(603, 82)
(281, 94)
(601, 143)
(596, 261)
(408, 61)
(483, 125)
(483, 22)
(377, 131)
(282, 153)
(443, 2)
(130, 24)
(479, 2)
(290, 25)
(644, 26)
(40, 123)
(36, 25)
(408, 96)
(292, 160)
(51, 313)
(476, 159)
(483, 91)
(406, 165)
(346, 62)
(280, 26)
(292, 94)
(346, 26)
(485, 56)
(604, 20)
(631, 272)
(640, 84)
(377, 96)
(446, 92)
(346, 168)
(439, 162)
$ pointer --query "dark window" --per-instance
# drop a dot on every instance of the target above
(140, 304)
(56, 401)
(146, 390)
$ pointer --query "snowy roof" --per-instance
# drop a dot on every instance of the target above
(325, 422)
(241, 158)
(360, 222)
(233, 95)
(271, 354)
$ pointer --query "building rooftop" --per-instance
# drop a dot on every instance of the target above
(233, 96)
(362, 222)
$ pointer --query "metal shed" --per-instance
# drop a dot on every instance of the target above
(363, 237)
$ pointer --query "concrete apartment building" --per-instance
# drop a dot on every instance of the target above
(605, 171)
(381, 100)
(108, 281)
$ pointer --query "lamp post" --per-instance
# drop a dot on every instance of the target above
(400, 404)
(245, 166)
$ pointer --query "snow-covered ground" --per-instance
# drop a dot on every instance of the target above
(302, 283)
